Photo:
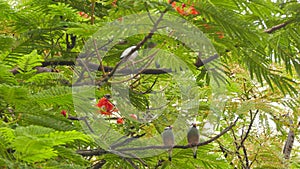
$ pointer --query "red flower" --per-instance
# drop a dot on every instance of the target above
(221, 35)
(80, 13)
(106, 107)
(206, 26)
(133, 116)
(181, 11)
(193, 11)
(120, 120)
(64, 113)
(85, 16)
(114, 3)
(173, 3)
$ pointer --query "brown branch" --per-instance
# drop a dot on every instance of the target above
(277, 27)
(97, 152)
(93, 12)
(182, 146)
(249, 127)
(236, 146)
(149, 36)
(246, 156)
(200, 63)
(92, 66)
(61, 62)
(126, 141)
(131, 163)
(137, 158)
(288, 146)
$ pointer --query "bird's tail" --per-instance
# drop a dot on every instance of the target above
(194, 152)
(170, 154)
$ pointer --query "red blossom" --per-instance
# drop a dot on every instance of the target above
(180, 9)
(193, 11)
(120, 120)
(133, 116)
(80, 13)
(221, 35)
(206, 26)
(173, 3)
(85, 16)
(114, 3)
(64, 113)
(106, 107)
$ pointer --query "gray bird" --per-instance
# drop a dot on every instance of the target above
(168, 138)
(130, 57)
(193, 138)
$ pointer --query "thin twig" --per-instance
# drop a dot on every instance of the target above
(131, 163)
(151, 87)
(149, 36)
(236, 146)
(97, 152)
(277, 27)
(81, 119)
(99, 57)
(87, 69)
(140, 71)
(249, 127)
(137, 158)
(126, 141)
(246, 157)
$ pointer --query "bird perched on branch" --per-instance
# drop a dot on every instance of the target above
(130, 57)
(193, 138)
(168, 139)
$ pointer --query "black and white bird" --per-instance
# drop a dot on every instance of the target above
(168, 139)
(193, 138)
(126, 52)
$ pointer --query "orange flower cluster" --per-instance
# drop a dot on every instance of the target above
(106, 107)
(220, 35)
(182, 10)
(83, 14)
(120, 120)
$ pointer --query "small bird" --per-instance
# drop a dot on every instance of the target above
(168, 138)
(193, 138)
(130, 57)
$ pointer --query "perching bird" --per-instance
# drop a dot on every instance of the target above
(130, 57)
(168, 138)
(193, 138)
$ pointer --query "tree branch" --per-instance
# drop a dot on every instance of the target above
(149, 36)
(249, 127)
(277, 27)
(97, 152)
(182, 146)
